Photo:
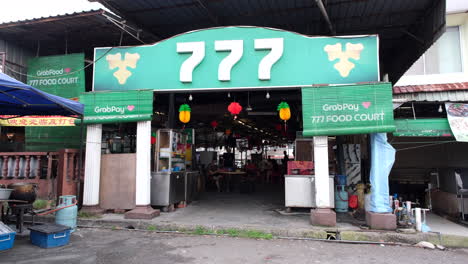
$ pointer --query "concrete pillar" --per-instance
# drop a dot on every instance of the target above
(143, 209)
(322, 215)
(92, 168)
(143, 166)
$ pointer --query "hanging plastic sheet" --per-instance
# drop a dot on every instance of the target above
(382, 159)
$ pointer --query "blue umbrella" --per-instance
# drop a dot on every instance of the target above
(17, 98)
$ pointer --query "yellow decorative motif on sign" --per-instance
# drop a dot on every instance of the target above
(115, 61)
(344, 66)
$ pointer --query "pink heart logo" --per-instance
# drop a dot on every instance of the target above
(130, 107)
(67, 70)
(366, 104)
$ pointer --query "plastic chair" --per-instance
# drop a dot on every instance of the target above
(461, 192)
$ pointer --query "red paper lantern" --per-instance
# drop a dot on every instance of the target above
(234, 108)
(214, 124)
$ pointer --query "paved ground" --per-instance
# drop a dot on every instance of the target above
(253, 211)
(444, 226)
(122, 246)
(263, 210)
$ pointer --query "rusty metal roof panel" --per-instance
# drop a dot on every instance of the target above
(76, 32)
(46, 19)
(447, 96)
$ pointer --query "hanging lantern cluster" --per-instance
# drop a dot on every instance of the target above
(284, 111)
(234, 108)
(184, 113)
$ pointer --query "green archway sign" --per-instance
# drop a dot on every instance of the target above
(237, 57)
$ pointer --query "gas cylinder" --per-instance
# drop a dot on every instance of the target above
(67, 216)
(341, 199)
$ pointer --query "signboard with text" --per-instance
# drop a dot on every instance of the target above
(457, 115)
(425, 127)
(346, 110)
(34, 121)
(117, 107)
(237, 57)
(61, 75)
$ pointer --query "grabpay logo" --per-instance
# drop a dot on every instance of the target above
(115, 61)
(344, 66)
(113, 109)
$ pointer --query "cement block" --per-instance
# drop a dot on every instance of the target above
(95, 209)
(322, 217)
(381, 221)
(142, 212)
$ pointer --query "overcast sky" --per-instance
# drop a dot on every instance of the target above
(13, 10)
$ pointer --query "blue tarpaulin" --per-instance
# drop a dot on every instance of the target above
(382, 159)
(17, 98)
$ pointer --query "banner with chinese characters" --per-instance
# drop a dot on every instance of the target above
(457, 115)
(237, 57)
(347, 110)
(426, 127)
(42, 121)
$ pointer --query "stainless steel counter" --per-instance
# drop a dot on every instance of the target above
(167, 188)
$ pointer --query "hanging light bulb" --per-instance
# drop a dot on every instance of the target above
(267, 96)
(249, 108)
(190, 98)
(229, 95)
(440, 109)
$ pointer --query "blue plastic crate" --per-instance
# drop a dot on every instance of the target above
(7, 237)
(50, 235)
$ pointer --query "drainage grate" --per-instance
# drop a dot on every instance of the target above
(333, 235)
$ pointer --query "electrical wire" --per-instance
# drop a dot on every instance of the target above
(73, 72)
(428, 145)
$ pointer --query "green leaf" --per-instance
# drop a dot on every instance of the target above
(185, 107)
(283, 105)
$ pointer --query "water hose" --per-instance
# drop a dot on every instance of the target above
(341, 198)
(57, 209)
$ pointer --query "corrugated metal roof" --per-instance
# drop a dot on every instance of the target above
(447, 96)
(430, 88)
(39, 19)
(406, 28)
(76, 32)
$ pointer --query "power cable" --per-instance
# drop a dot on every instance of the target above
(428, 145)
(73, 72)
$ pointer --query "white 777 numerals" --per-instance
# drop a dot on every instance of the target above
(236, 48)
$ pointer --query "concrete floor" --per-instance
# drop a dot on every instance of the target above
(263, 210)
(258, 210)
(123, 246)
(444, 226)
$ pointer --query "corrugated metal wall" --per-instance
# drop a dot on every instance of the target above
(16, 60)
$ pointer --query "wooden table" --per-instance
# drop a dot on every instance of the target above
(229, 174)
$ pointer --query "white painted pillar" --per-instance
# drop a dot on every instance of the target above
(322, 184)
(92, 165)
(143, 163)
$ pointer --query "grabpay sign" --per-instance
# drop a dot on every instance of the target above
(115, 107)
(237, 57)
(60, 75)
(344, 110)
